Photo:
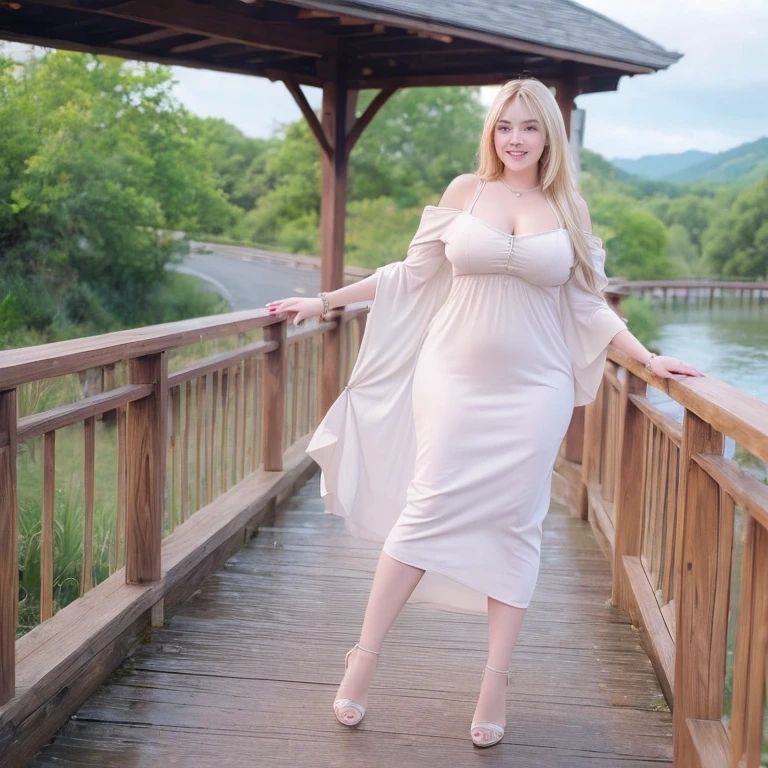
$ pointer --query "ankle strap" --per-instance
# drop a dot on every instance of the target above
(376, 653)
(500, 671)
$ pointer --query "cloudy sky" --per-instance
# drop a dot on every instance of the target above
(714, 98)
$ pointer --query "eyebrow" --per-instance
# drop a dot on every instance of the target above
(524, 121)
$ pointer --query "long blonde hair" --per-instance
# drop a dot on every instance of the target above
(556, 173)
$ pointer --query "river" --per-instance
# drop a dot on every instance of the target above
(728, 342)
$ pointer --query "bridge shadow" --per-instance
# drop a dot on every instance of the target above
(245, 672)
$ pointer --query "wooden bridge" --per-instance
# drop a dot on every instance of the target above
(211, 629)
(696, 290)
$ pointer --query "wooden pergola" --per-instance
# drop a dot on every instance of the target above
(344, 47)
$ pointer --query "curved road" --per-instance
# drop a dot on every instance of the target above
(248, 278)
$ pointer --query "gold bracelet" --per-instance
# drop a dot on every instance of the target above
(648, 361)
(326, 305)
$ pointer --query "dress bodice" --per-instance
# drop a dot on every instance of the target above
(475, 247)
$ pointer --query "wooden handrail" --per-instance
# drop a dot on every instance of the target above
(215, 423)
(665, 498)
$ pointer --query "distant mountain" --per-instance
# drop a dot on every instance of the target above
(741, 165)
(660, 166)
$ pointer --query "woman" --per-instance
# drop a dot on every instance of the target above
(476, 349)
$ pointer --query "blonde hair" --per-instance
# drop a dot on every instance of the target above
(556, 173)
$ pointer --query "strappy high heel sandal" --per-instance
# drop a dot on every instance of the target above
(339, 705)
(475, 731)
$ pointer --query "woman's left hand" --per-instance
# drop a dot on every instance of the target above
(665, 367)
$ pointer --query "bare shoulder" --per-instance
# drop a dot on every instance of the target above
(585, 219)
(459, 192)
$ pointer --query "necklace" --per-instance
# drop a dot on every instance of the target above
(519, 192)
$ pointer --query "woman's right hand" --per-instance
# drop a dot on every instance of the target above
(297, 308)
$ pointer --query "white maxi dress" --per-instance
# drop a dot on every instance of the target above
(476, 349)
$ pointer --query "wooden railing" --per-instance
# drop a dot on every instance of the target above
(201, 453)
(687, 529)
(210, 438)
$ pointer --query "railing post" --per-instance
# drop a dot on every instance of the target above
(699, 663)
(628, 505)
(9, 566)
(590, 430)
(274, 383)
(574, 437)
(145, 456)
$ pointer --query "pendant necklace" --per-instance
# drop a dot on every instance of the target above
(519, 192)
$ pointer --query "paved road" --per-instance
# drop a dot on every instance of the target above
(248, 282)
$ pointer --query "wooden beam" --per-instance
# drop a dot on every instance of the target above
(309, 116)
(139, 55)
(199, 45)
(194, 18)
(148, 37)
(382, 97)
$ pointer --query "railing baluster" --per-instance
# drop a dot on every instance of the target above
(46, 530)
(185, 452)
(122, 477)
(273, 396)
(238, 461)
(629, 492)
(9, 555)
(199, 438)
(224, 446)
(174, 517)
(89, 471)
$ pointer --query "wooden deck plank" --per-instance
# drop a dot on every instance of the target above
(246, 671)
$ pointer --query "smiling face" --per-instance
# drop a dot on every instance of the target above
(519, 138)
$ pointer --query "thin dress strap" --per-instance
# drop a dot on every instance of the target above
(554, 210)
(477, 194)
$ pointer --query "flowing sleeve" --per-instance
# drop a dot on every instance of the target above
(589, 324)
(365, 444)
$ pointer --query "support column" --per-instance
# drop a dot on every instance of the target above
(566, 91)
(338, 103)
(336, 133)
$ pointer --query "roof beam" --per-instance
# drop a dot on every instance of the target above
(138, 55)
(194, 18)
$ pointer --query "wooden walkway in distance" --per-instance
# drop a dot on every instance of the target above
(245, 673)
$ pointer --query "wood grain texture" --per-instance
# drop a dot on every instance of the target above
(273, 396)
(701, 558)
(62, 661)
(9, 557)
(146, 464)
(245, 673)
(629, 493)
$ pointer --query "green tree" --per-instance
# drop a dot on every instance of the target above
(420, 140)
(98, 167)
(736, 245)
